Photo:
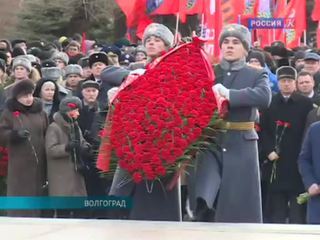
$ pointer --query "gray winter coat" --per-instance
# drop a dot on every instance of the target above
(231, 177)
(62, 177)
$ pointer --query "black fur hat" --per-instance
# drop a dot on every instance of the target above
(278, 48)
(98, 57)
(23, 87)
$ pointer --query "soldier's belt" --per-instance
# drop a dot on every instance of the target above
(239, 126)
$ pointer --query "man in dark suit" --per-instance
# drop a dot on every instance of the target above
(282, 132)
(305, 86)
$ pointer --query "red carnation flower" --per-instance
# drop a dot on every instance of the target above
(137, 177)
(16, 114)
(102, 133)
(159, 115)
(279, 123)
(287, 124)
(72, 105)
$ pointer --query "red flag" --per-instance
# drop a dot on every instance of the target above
(231, 10)
(296, 10)
(279, 12)
(316, 11)
(218, 27)
(250, 9)
(318, 35)
(129, 9)
(264, 35)
(190, 7)
(83, 43)
(136, 13)
(165, 7)
(212, 27)
(143, 23)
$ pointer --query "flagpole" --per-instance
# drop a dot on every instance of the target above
(177, 28)
(305, 37)
(202, 26)
(239, 19)
(274, 35)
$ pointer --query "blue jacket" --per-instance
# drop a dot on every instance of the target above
(309, 167)
(273, 81)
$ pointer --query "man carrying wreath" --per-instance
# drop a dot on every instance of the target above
(224, 185)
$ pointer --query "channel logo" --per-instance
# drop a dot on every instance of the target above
(271, 23)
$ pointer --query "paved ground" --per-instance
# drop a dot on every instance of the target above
(58, 229)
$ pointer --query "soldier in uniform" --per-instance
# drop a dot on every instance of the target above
(224, 186)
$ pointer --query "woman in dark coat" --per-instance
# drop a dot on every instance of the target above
(48, 91)
(23, 126)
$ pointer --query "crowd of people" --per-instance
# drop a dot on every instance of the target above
(54, 99)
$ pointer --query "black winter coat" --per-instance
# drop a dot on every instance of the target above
(294, 111)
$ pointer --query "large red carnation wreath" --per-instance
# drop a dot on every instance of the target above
(158, 121)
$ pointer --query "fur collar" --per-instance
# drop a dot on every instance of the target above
(232, 66)
(13, 105)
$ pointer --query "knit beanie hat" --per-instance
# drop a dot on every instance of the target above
(52, 73)
(22, 61)
(68, 104)
(62, 56)
(259, 56)
(23, 87)
(73, 69)
(238, 31)
(160, 31)
(74, 43)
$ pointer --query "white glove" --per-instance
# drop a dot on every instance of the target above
(221, 90)
(112, 93)
(138, 71)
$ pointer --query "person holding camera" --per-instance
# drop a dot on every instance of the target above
(23, 125)
(65, 147)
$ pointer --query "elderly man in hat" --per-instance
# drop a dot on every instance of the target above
(282, 132)
(225, 185)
